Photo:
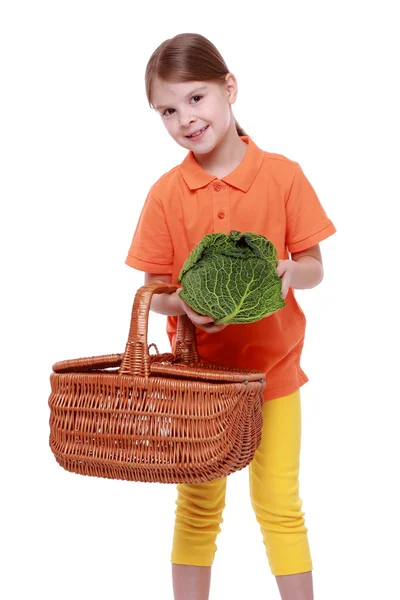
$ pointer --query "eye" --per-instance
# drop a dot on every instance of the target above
(167, 114)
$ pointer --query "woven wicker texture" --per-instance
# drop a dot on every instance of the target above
(167, 418)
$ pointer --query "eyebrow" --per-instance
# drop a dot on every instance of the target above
(203, 87)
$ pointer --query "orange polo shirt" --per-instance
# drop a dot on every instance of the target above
(266, 194)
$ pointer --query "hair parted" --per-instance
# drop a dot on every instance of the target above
(186, 57)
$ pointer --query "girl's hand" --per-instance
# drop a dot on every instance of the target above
(286, 270)
(201, 321)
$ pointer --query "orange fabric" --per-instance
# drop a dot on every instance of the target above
(267, 194)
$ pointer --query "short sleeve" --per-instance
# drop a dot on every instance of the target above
(306, 221)
(151, 249)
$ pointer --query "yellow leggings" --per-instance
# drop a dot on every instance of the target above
(274, 490)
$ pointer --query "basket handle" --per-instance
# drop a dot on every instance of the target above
(136, 359)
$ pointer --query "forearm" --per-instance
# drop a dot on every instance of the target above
(167, 304)
(309, 272)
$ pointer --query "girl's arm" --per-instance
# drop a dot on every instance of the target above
(303, 271)
(171, 304)
(164, 304)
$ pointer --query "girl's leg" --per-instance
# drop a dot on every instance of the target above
(274, 488)
(190, 582)
(197, 524)
(296, 587)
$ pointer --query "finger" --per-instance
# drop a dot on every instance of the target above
(202, 327)
(217, 328)
(214, 328)
(209, 327)
(196, 317)
(200, 319)
(193, 315)
(285, 285)
(280, 271)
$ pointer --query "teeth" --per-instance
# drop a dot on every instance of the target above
(197, 132)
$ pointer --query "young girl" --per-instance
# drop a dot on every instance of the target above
(227, 182)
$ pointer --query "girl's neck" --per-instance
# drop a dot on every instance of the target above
(225, 157)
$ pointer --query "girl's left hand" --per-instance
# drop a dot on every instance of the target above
(285, 270)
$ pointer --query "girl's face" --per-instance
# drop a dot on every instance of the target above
(187, 107)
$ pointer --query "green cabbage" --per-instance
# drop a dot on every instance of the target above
(232, 278)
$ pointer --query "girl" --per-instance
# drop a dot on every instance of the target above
(227, 182)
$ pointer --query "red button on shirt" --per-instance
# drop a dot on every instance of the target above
(217, 187)
(221, 214)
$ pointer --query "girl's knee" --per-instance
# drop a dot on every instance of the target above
(276, 508)
(205, 500)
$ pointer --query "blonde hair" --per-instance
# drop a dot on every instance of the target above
(186, 57)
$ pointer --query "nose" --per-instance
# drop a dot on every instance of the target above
(186, 118)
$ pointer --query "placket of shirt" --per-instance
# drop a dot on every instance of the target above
(221, 214)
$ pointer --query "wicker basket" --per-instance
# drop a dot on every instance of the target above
(166, 418)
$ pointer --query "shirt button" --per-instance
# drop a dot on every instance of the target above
(217, 187)
(221, 214)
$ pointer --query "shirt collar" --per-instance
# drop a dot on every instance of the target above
(242, 177)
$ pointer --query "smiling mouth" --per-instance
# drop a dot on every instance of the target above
(197, 132)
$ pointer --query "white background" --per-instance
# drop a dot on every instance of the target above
(80, 148)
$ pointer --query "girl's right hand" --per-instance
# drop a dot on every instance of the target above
(201, 321)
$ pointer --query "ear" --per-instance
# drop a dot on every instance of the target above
(231, 87)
